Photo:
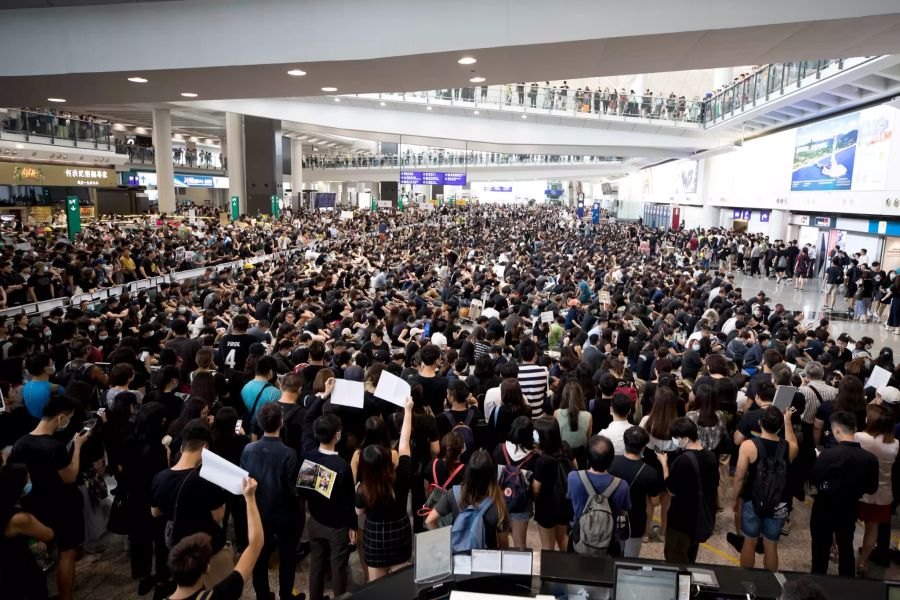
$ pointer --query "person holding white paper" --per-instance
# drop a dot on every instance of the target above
(382, 496)
(192, 504)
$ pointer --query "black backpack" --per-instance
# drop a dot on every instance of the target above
(771, 479)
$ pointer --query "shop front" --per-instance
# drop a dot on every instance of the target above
(191, 189)
(34, 193)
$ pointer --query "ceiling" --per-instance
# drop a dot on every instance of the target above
(190, 51)
(14, 4)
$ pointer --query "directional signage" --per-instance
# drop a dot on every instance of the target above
(432, 178)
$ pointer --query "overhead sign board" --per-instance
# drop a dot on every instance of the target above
(432, 178)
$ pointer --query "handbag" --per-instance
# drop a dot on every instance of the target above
(118, 514)
(169, 534)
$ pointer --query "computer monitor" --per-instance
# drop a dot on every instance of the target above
(893, 590)
(645, 582)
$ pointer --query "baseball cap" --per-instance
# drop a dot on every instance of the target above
(889, 394)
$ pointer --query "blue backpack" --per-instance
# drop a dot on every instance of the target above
(467, 531)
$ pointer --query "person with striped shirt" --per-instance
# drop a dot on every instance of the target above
(532, 378)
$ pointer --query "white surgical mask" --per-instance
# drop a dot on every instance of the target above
(680, 442)
(695, 347)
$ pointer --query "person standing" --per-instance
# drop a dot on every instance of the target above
(644, 485)
(773, 455)
(693, 482)
(274, 466)
(842, 474)
(54, 499)
(533, 378)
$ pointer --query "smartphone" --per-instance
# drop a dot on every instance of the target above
(144, 356)
(88, 426)
(100, 411)
(237, 427)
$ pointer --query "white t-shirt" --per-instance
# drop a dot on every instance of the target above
(616, 434)
(491, 401)
(729, 325)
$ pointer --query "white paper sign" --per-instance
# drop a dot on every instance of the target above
(462, 564)
(219, 471)
(392, 389)
(486, 561)
(516, 563)
(346, 214)
(348, 393)
(547, 316)
(499, 270)
(879, 378)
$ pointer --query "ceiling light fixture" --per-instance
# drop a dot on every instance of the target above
(524, 116)
(189, 94)
(329, 88)
(383, 103)
(477, 113)
(477, 79)
(137, 80)
(337, 99)
(427, 108)
(467, 60)
(56, 99)
(296, 73)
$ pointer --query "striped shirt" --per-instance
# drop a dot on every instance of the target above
(533, 381)
(827, 392)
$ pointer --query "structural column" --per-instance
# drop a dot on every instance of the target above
(296, 174)
(722, 77)
(234, 153)
(263, 161)
(165, 170)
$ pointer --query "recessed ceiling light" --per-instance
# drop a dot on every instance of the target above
(524, 116)
(477, 79)
(427, 108)
(383, 103)
(296, 73)
(56, 99)
(189, 94)
(467, 60)
(337, 99)
(137, 80)
(477, 113)
(329, 89)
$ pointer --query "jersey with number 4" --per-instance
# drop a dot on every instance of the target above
(234, 349)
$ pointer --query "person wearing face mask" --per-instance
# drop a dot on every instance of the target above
(20, 576)
(55, 499)
(37, 392)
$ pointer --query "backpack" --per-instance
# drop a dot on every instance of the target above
(771, 479)
(436, 492)
(467, 531)
(464, 427)
(513, 483)
(594, 530)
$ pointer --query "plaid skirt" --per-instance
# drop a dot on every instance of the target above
(387, 543)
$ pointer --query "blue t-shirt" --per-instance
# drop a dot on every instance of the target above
(252, 389)
(620, 500)
(36, 395)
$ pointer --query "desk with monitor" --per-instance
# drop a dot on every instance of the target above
(565, 575)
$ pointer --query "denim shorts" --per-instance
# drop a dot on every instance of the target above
(752, 526)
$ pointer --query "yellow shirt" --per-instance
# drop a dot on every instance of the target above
(127, 264)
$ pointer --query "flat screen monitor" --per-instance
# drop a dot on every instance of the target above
(645, 582)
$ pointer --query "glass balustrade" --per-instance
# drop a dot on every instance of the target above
(445, 158)
(201, 159)
(48, 128)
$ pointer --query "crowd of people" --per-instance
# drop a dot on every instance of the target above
(440, 157)
(562, 381)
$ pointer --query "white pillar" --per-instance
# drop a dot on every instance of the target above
(296, 173)
(165, 170)
(234, 142)
(722, 76)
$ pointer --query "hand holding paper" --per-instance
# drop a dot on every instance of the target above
(224, 474)
(348, 393)
(392, 389)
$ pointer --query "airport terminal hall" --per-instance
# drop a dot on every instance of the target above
(469, 300)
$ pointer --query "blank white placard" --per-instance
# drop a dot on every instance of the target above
(392, 389)
(516, 563)
(547, 316)
(879, 378)
(462, 564)
(219, 471)
(348, 393)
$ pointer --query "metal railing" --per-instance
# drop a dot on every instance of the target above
(769, 82)
(447, 158)
(146, 155)
(50, 128)
(610, 105)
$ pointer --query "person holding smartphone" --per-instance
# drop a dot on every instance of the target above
(55, 499)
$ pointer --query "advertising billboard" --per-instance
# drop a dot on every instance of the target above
(850, 152)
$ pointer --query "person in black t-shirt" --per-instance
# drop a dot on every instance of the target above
(192, 504)
(235, 346)
(644, 483)
(189, 559)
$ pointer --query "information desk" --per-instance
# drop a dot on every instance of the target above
(566, 574)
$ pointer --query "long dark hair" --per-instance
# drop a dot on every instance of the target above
(550, 439)
(480, 482)
(376, 433)
(376, 476)
(706, 404)
(663, 413)
(511, 396)
(573, 402)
